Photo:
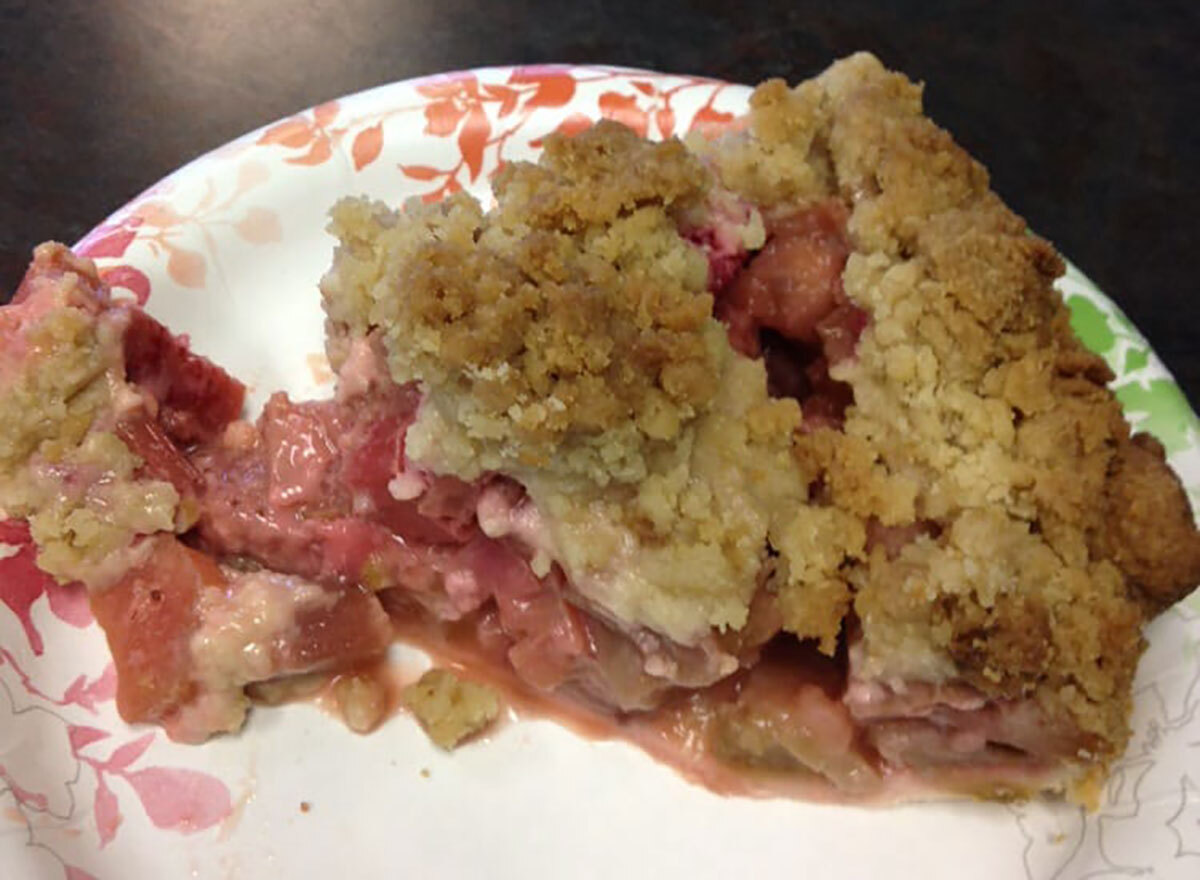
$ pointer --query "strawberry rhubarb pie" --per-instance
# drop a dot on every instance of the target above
(773, 453)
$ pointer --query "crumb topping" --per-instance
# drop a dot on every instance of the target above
(451, 708)
(566, 339)
(57, 362)
(85, 509)
(567, 330)
(684, 551)
(976, 409)
(784, 161)
(61, 467)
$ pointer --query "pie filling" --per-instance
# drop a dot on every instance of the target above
(316, 541)
(224, 557)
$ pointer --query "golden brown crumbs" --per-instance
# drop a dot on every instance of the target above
(978, 410)
(568, 329)
(1149, 533)
(566, 338)
(784, 163)
(814, 544)
(983, 516)
(451, 708)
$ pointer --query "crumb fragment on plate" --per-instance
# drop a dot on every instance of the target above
(361, 700)
(318, 367)
(451, 708)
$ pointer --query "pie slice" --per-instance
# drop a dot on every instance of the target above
(774, 453)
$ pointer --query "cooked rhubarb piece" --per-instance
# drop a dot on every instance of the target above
(196, 400)
(187, 636)
(149, 617)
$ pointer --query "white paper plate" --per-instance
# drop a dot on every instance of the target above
(229, 250)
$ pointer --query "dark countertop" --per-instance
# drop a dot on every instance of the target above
(1086, 113)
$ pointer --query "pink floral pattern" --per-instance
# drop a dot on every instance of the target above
(60, 728)
(85, 790)
(180, 233)
(110, 241)
(22, 583)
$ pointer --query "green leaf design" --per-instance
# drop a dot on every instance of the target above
(1090, 324)
(1135, 359)
(1168, 416)
(1122, 324)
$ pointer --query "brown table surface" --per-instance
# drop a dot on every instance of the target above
(1086, 113)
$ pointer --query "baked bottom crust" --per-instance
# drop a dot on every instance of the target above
(773, 454)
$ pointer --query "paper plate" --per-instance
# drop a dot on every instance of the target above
(229, 250)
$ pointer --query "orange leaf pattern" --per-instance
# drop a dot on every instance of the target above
(442, 118)
(158, 213)
(710, 122)
(473, 139)
(320, 151)
(625, 110)
(554, 90)
(569, 127)
(295, 132)
(368, 143)
(478, 115)
(507, 97)
(324, 114)
(421, 172)
(186, 268)
(259, 226)
(251, 174)
(664, 118)
(473, 121)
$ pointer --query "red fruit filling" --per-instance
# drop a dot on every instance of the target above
(315, 511)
